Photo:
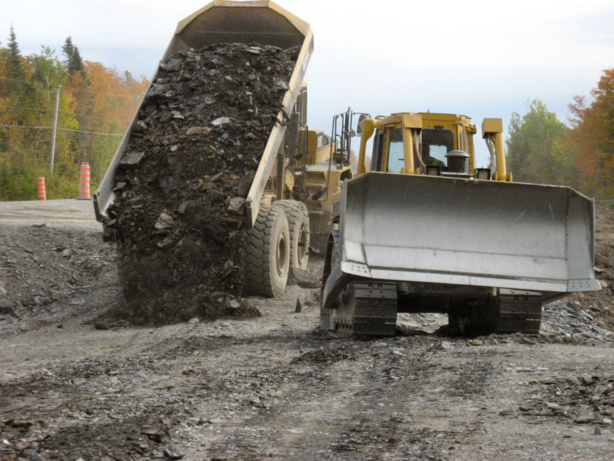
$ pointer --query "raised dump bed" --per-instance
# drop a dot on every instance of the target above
(181, 196)
(261, 22)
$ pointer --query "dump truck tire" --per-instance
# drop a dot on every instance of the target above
(267, 253)
(298, 223)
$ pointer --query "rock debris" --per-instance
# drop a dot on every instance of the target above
(181, 185)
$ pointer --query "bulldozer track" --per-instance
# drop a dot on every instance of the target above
(366, 308)
(519, 311)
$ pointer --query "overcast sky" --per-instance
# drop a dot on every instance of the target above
(479, 58)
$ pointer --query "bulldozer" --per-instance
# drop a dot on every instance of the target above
(422, 229)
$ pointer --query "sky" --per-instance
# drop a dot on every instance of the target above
(473, 57)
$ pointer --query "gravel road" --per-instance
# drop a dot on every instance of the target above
(73, 386)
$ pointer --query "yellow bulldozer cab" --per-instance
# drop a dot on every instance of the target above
(409, 143)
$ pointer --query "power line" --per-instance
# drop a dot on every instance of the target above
(27, 108)
(63, 129)
(79, 89)
(40, 109)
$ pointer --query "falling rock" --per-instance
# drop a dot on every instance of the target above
(164, 242)
(213, 154)
(182, 207)
(131, 160)
(236, 205)
(281, 85)
(165, 221)
(172, 65)
(140, 126)
(221, 122)
(198, 131)
(232, 303)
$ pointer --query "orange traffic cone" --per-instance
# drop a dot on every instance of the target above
(84, 181)
(42, 192)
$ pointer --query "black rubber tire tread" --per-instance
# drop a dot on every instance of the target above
(298, 216)
(261, 275)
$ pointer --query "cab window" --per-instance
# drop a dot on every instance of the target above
(396, 156)
(378, 145)
(436, 143)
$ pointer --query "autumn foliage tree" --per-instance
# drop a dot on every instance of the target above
(541, 149)
(96, 105)
(592, 137)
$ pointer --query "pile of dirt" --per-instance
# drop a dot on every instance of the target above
(49, 274)
(181, 185)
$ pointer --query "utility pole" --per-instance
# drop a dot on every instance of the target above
(55, 126)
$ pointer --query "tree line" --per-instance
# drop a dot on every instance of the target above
(96, 104)
(94, 108)
(542, 149)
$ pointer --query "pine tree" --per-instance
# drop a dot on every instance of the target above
(74, 63)
(14, 68)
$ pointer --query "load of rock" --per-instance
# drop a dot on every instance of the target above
(179, 215)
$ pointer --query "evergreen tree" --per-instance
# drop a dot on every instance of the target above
(14, 64)
(74, 63)
(14, 70)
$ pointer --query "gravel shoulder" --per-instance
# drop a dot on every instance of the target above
(274, 386)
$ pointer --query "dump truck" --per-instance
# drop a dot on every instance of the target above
(292, 182)
(426, 231)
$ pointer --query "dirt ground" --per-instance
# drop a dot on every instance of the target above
(75, 388)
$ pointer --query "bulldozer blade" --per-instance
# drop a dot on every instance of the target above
(467, 232)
